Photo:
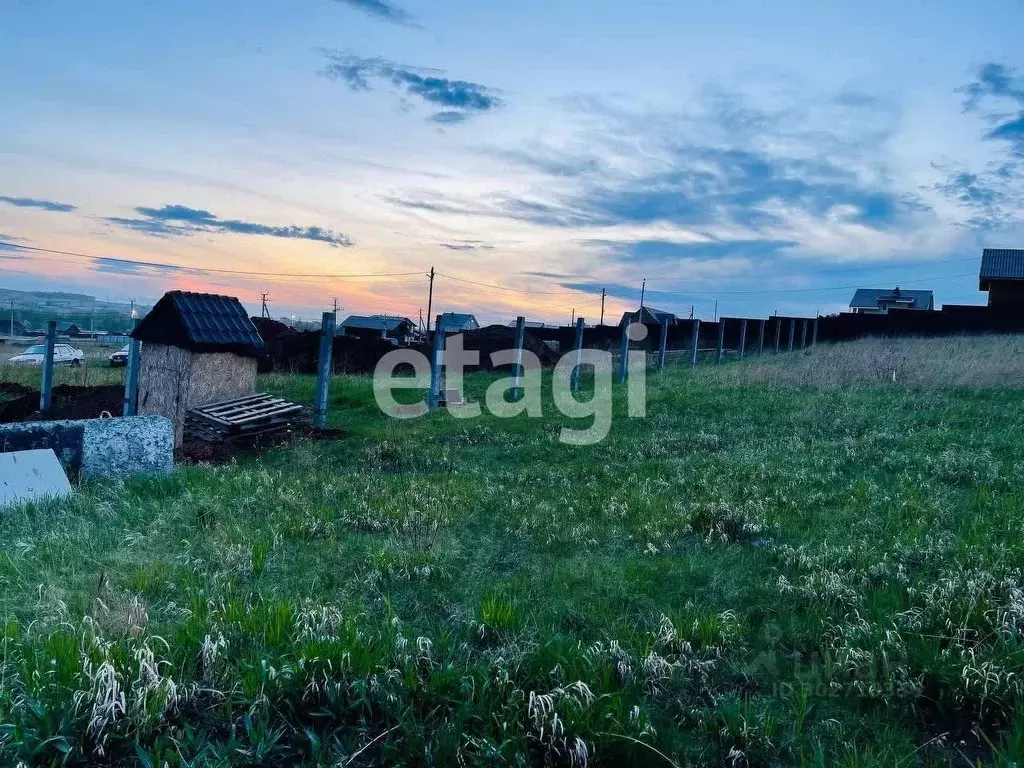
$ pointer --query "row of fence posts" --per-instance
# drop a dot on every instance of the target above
(434, 393)
(131, 380)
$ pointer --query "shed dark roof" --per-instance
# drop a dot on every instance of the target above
(870, 298)
(201, 322)
(1001, 264)
(65, 326)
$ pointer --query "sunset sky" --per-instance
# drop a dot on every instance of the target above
(772, 156)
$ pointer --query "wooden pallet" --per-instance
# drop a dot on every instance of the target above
(242, 417)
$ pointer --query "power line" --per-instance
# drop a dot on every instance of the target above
(509, 288)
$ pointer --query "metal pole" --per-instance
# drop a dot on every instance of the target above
(778, 333)
(662, 342)
(436, 361)
(743, 338)
(323, 374)
(803, 334)
(814, 336)
(760, 338)
(46, 387)
(695, 342)
(520, 334)
(624, 352)
(720, 346)
(792, 332)
(131, 375)
(574, 380)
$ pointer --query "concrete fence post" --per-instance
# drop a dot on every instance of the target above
(520, 339)
(131, 375)
(323, 370)
(792, 333)
(436, 361)
(760, 338)
(624, 353)
(720, 346)
(662, 343)
(695, 342)
(803, 333)
(814, 336)
(743, 338)
(778, 333)
(574, 380)
(46, 385)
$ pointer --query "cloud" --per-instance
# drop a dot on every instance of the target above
(382, 10)
(180, 220)
(467, 245)
(131, 267)
(458, 100)
(999, 83)
(44, 205)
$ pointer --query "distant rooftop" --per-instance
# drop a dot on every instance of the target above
(875, 298)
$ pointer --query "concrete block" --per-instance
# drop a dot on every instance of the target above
(119, 447)
(31, 476)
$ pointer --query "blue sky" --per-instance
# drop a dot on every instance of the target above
(746, 152)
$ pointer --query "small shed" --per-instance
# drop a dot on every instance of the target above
(199, 348)
(68, 329)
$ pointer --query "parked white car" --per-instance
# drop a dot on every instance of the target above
(63, 354)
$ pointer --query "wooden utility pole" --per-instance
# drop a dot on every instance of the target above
(603, 293)
(430, 301)
(264, 310)
(643, 290)
(695, 342)
(12, 319)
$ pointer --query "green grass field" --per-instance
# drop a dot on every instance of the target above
(750, 575)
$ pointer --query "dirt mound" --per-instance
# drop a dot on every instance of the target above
(495, 338)
(68, 402)
(298, 353)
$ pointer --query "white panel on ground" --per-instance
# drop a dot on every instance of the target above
(31, 476)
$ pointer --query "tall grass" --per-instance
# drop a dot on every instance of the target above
(750, 576)
(968, 362)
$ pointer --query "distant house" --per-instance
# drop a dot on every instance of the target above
(1002, 275)
(458, 321)
(398, 330)
(20, 329)
(647, 316)
(528, 324)
(876, 301)
(199, 348)
(68, 329)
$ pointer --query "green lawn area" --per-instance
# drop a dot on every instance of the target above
(747, 576)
